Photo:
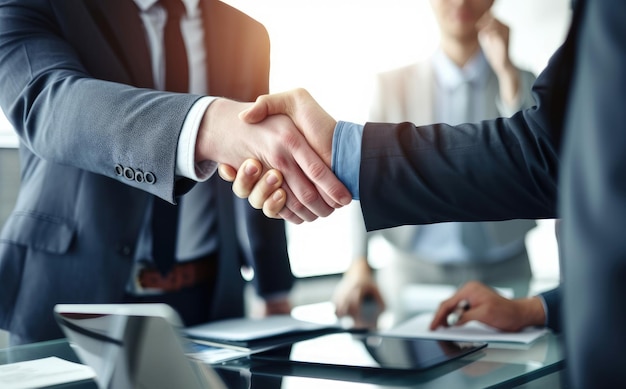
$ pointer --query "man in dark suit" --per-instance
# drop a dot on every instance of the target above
(101, 145)
(564, 158)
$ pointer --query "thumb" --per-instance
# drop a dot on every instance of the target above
(255, 113)
(265, 106)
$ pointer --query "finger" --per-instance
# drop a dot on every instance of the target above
(266, 105)
(478, 313)
(296, 207)
(445, 308)
(264, 188)
(303, 198)
(325, 181)
(331, 203)
(275, 203)
(289, 216)
(247, 177)
(227, 172)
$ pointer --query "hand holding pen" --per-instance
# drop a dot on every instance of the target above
(454, 316)
(476, 301)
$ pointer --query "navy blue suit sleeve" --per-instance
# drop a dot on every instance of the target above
(552, 298)
(500, 169)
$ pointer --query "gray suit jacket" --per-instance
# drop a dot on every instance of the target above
(75, 79)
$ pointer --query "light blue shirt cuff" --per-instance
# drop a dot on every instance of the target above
(346, 157)
(186, 165)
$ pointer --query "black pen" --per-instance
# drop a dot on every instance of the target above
(455, 315)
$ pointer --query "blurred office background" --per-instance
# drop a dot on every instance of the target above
(333, 48)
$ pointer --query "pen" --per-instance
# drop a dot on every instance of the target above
(455, 315)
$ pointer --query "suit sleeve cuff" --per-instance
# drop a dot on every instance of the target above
(186, 165)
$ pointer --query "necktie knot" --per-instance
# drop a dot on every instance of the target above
(175, 8)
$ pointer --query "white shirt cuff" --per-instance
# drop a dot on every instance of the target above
(186, 165)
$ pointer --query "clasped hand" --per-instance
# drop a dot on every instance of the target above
(292, 180)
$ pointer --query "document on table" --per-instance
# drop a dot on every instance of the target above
(42, 372)
(418, 327)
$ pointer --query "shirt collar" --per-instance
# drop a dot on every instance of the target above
(449, 75)
(190, 5)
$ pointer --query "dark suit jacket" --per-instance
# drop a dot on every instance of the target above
(554, 303)
(75, 79)
(509, 168)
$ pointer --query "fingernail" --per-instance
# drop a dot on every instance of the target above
(277, 196)
(271, 179)
(251, 169)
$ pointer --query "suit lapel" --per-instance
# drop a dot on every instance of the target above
(120, 21)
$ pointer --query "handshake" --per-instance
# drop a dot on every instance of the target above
(277, 152)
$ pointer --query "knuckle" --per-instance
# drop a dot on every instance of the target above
(317, 170)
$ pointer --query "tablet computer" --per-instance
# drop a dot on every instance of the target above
(133, 346)
(367, 350)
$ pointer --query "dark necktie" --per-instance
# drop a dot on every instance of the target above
(164, 214)
(176, 67)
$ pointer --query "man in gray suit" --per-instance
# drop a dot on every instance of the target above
(102, 145)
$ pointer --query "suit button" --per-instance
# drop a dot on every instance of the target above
(119, 169)
(149, 178)
(129, 173)
(139, 177)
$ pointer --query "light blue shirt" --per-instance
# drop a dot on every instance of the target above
(346, 157)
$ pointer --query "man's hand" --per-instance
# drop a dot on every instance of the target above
(275, 142)
(487, 306)
(317, 127)
(494, 40)
(262, 191)
(356, 288)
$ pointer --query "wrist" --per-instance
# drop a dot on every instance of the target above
(217, 127)
(532, 311)
(508, 80)
(360, 266)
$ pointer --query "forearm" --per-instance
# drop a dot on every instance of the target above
(500, 169)
(510, 84)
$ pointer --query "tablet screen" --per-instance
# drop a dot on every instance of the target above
(370, 351)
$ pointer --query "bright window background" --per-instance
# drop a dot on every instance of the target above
(333, 48)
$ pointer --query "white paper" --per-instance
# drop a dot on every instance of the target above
(42, 372)
(473, 331)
